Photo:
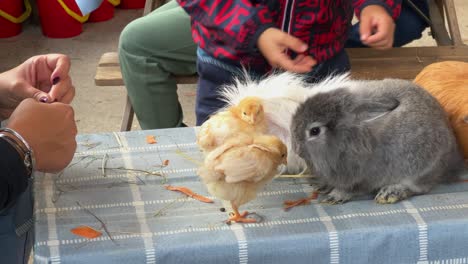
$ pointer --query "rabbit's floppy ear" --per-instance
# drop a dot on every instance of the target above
(372, 109)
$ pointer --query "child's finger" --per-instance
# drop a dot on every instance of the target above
(305, 60)
(284, 62)
(380, 45)
(299, 58)
(289, 65)
(293, 43)
(377, 37)
(365, 28)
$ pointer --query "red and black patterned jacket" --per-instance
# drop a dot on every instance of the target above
(228, 29)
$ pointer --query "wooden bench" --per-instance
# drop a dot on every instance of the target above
(108, 74)
(403, 63)
(439, 10)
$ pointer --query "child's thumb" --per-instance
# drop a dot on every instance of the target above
(365, 28)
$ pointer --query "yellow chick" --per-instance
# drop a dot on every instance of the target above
(246, 117)
(250, 109)
(239, 168)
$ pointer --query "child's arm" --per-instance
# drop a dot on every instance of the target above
(235, 25)
(377, 25)
(240, 27)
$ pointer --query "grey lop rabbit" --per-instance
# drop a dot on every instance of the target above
(388, 137)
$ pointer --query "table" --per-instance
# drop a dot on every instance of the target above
(146, 223)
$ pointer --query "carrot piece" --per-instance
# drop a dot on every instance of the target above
(304, 201)
(86, 231)
(150, 139)
(290, 204)
(314, 195)
(189, 193)
(165, 162)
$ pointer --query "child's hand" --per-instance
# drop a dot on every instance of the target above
(377, 27)
(273, 44)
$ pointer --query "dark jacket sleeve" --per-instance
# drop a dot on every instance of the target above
(13, 175)
(393, 7)
(235, 25)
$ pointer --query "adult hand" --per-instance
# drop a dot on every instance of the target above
(49, 129)
(43, 77)
(376, 27)
(273, 44)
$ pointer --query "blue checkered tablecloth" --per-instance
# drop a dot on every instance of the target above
(148, 224)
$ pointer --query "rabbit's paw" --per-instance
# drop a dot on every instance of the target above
(323, 189)
(320, 187)
(337, 197)
(392, 193)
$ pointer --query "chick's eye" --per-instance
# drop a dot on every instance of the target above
(314, 131)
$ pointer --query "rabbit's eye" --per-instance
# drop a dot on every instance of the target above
(314, 131)
(284, 155)
(244, 113)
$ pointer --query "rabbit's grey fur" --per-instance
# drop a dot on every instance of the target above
(389, 136)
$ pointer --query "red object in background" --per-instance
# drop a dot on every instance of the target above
(104, 12)
(132, 4)
(56, 22)
(13, 8)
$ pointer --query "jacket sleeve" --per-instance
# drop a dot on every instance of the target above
(393, 7)
(13, 175)
(234, 24)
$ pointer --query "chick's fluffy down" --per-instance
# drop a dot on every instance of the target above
(236, 170)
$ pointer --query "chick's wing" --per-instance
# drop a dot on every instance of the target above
(246, 163)
(216, 130)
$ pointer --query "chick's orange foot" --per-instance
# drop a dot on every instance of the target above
(240, 218)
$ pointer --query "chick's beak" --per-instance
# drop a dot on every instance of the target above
(251, 119)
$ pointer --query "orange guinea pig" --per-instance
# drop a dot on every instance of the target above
(448, 82)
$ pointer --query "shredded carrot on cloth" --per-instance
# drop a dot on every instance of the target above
(290, 204)
(189, 193)
(150, 139)
(86, 231)
(165, 162)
